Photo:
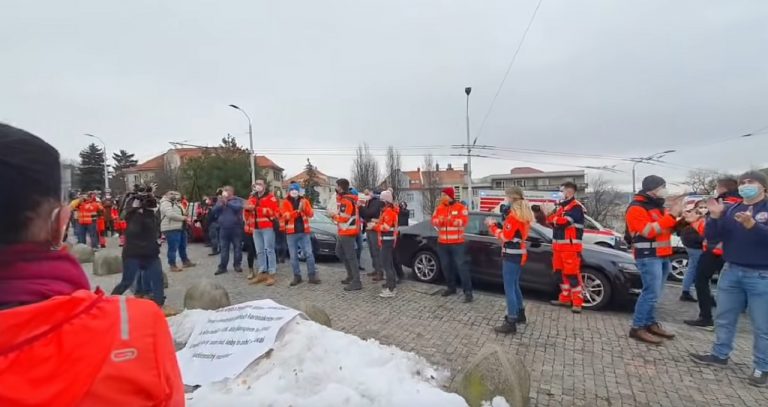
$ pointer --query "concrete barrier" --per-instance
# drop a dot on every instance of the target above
(494, 373)
(206, 295)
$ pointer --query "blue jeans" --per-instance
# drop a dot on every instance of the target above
(359, 247)
(690, 274)
(265, 250)
(146, 274)
(177, 242)
(653, 272)
(453, 260)
(738, 287)
(510, 271)
(91, 232)
(231, 238)
(301, 241)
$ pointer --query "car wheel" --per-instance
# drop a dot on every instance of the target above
(679, 266)
(426, 267)
(596, 289)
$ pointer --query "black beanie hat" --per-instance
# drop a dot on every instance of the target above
(755, 176)
(30, 169)
(653, 182)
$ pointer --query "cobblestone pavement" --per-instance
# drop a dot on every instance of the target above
(574, 360)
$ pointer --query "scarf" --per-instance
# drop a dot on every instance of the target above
(32, 272)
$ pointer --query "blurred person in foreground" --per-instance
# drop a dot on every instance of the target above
(742, 228)
(61, 344)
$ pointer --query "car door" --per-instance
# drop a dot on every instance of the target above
(484, 250)
(537, 272)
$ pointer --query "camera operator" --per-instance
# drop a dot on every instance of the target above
(141, 252)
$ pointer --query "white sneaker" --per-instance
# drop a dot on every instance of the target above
(387, 293)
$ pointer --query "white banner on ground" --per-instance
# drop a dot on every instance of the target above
(230, 340)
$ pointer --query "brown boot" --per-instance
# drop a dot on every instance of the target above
(251, 274)
(378, 277)
(270, 281)
(657, 330)
(642, 335)
(260, 278)
(176, 269)
(371, 274)
(189, 264)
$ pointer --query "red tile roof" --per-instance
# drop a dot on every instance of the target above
(158, 162)
(444, 177)
(525, 170)
(321, 178)
(152, 164)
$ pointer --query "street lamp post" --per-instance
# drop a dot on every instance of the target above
(250, 140)
(650, 158)
(106, 168)
(471, 200)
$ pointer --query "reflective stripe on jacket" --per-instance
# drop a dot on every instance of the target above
(265, 209)
(567, 226)
(89, 212)
(289, 215)
(512, 234)
(347, 218)
(386, 226)
(650, 227)
(450, 220)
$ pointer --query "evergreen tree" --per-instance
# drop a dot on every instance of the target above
(91, 168)
(226, 164)
(310, 183)
(123, 160)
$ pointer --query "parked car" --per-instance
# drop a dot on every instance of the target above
(324, 235)
(609, 275)
(595, 233)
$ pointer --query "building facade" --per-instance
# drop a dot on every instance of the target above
(532, 179)
(326, 187)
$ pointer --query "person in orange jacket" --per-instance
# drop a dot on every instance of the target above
(512, 234)
(296, 212)
(63, 345)
(347, 219)
(649, 227)
(386, 228)
(266, 209)
(450, 219)
(89, 211)
(567, 230)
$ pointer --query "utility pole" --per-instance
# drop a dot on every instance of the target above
(250, 140)
(645, 160)
(471, 199)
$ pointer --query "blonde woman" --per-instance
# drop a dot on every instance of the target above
(513, 233)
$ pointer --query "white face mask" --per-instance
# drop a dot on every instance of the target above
(561, 196)
(225, 194)
(662, 193)
(293, 193)
(258, 188)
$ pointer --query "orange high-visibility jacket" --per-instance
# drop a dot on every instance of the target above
(265, 209)
(650, 227)
(512, 235)
(347, 218)
(450, 220)
(88, 350)
(89, 211)
(290, 214)
(567, 232)
(386, 226)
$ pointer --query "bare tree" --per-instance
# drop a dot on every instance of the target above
(365, 169)
(604, 202)
(702, 182)
(395, 176)
(430, 184)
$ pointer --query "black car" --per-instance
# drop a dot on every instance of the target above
(324, 234)
(609, 275)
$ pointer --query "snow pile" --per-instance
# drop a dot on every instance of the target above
(315, 366)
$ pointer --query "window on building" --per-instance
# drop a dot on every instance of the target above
(519, 182)
(411, 214)
(543, 181)
(498, 184)
(457, 191)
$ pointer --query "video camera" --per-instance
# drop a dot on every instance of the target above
(144, 194)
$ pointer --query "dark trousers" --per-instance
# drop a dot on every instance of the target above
(213, 235)
(250, 248)
(709, 264)
(387, 261)
(231, 238)
(375, 250)
(453, 259)
(146, 275)
(345, 250)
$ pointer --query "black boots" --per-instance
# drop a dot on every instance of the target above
(508, 327)
(521, 319)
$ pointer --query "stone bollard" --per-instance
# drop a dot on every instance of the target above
(316, 314)
(206, 295)
(82, 253)
(107, 262)
(494, 373)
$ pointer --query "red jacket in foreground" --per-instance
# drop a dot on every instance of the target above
(88, 350)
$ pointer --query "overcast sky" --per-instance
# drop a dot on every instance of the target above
(609, 78)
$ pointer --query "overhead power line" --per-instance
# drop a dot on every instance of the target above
(509, 68)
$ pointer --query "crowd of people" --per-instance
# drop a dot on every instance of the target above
(45, 295)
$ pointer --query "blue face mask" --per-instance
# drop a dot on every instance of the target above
(749, 191)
